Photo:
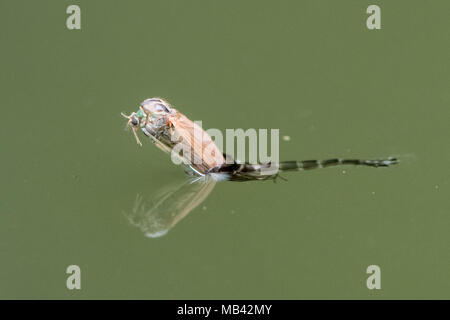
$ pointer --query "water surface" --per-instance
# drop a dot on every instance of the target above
(310, 68)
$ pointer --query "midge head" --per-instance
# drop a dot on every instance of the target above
(134, 122)
(153, 110)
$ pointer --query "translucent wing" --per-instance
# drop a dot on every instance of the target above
(188, 141)
(155, 214)
(204, 152)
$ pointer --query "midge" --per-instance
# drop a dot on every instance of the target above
(172, 131)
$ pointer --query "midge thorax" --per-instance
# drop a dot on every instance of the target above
(169, 128)
(172, 131)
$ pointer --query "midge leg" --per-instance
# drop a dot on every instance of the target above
(135, 129)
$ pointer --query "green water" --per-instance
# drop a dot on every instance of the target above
(70, 173)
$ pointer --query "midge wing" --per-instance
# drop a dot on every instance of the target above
(204, 154)
(155, 214)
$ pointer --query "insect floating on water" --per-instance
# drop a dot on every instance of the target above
(167, 127)
(156, 213)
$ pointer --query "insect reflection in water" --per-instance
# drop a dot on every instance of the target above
(155, 214)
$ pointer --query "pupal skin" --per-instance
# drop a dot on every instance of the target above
(167, 127)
